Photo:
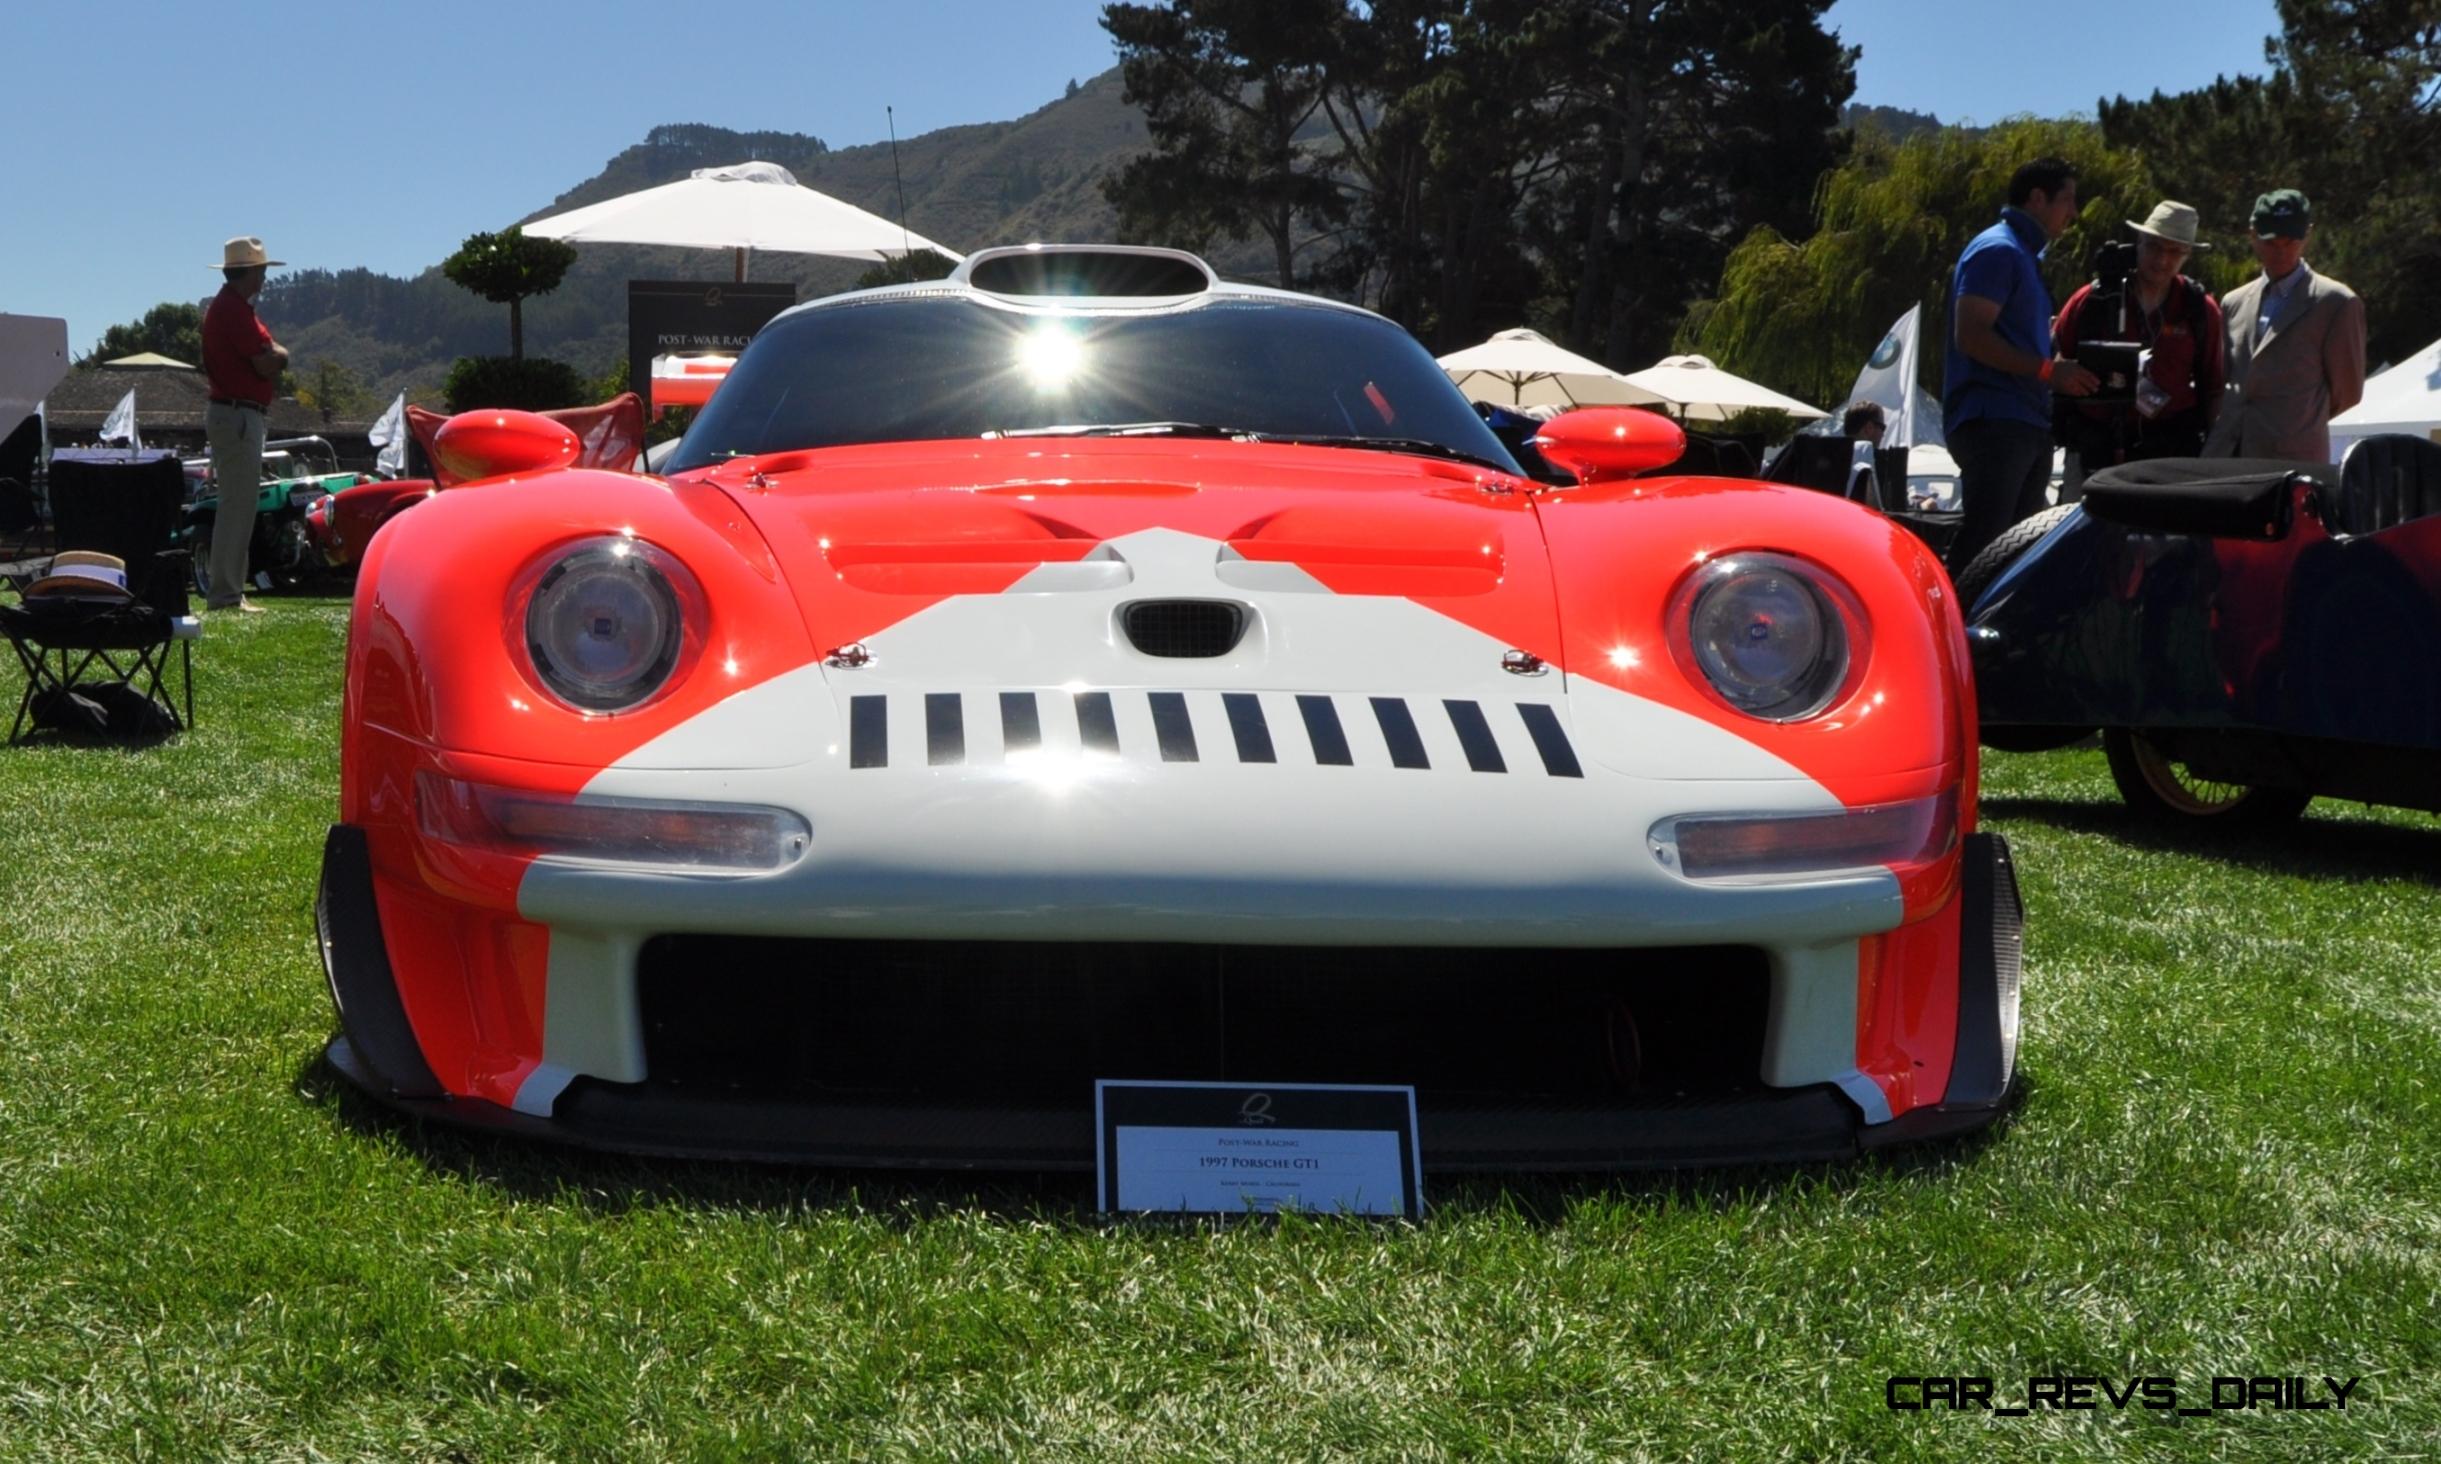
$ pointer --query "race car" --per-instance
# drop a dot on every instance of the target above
(1083, 668)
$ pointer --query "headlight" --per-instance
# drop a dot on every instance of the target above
(1771, 634)
(607, 623)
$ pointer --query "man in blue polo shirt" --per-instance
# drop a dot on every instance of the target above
(1999, 371)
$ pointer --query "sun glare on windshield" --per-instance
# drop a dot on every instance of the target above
(1050, 355)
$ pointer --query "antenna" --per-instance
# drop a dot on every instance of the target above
(906, 256)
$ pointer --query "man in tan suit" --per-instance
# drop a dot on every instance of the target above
(2296, 346)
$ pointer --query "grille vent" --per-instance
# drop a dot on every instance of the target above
(1184, 628)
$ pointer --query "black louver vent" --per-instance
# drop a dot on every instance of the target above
(1184, 628)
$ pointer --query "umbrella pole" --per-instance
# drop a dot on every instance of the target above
(741, 264)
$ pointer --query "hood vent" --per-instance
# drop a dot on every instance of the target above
(1183, 628)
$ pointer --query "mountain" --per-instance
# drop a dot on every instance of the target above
(1897, 123)
(968, 187)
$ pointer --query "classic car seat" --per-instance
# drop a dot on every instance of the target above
(2388, 480)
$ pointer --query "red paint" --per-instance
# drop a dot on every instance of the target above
(814, 549)
(1604, 444)
(498, 441)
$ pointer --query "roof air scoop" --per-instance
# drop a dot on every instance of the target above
(1055, 271)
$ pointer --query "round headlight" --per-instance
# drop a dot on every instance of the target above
(1768, 635)
(604, 626)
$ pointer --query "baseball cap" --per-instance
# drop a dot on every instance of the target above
(2282, 213)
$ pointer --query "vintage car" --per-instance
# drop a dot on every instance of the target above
(1082, 668)
(342, 523)
(2246, 636)
(297, 472)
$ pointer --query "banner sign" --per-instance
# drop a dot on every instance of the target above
(1236, 1148)
(684, 318)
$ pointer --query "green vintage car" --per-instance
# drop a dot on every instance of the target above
(297, 472)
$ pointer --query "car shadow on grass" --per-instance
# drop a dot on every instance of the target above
(2352, 849)
(612, 1184)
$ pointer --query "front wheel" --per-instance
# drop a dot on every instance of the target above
(2161, 789)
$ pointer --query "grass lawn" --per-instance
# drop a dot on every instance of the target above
(2229, 1164)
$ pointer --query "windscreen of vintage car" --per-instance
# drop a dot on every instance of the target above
(927, 368)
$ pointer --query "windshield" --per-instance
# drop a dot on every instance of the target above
(897, 370)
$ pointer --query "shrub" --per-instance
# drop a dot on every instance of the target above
(535, 384)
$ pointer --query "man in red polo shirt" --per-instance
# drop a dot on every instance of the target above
(241, 362)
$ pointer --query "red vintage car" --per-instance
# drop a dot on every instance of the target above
(341, 524)
(1083, 668)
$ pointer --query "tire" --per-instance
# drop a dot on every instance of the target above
(1978, 576)
(1997, 556)
(2160, 790)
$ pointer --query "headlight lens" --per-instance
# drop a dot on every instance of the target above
(606, 622)
(1768, 632)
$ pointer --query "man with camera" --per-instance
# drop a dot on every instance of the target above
(2154, 337)
(2296, 345)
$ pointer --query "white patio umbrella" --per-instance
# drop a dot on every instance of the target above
(1530, 371)
(1698, 391)
(743, 206)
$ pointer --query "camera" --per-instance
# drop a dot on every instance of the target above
(2113, 261)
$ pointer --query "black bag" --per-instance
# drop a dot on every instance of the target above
(111, 709)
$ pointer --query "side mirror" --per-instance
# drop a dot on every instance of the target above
(1600, 444)
(497, 441)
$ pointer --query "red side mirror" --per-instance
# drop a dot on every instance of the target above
(497, 441)
(1598, 444)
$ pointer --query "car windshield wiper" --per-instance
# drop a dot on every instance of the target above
(1421, 445)
(1129, 429)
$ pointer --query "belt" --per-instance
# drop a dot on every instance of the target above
(251, 406)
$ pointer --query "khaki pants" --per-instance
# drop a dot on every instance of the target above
(236, 437)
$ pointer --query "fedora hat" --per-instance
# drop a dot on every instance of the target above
(2174, 222)
(246, 252)
(84, 573)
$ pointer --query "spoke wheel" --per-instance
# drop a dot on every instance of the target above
(2162, 788)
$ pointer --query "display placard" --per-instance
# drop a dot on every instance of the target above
(691, 318)
(1235, 1148)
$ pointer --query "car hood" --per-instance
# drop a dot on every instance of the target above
(1064, 533)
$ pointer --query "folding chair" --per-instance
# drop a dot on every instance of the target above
(129, 510)
(20, 529)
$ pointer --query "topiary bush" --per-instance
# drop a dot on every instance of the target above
(535, 384)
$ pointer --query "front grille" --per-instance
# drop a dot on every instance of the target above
(1183, 628)
(941, 1020)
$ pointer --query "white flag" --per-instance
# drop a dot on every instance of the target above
(1889, 378)
(120, 425)
(390, 436)
(42, 436)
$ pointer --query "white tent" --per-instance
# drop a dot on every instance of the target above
(742, 207)
(1520, 368)
(2405, 398)
(1698, 391)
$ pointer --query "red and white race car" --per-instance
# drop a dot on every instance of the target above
(1083, 668)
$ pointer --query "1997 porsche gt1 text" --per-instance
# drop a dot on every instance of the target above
(1082, 668)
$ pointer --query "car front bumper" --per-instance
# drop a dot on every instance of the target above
(378, 1050)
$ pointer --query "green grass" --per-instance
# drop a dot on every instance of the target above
(2229, 1163)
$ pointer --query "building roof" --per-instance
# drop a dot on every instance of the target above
(167, 399)
(144, 359)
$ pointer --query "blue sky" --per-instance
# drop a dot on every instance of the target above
(140, 135)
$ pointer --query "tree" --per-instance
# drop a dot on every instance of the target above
(1801, 316)
(170, 328)
(1466, 164)
(2351, 114)
(507, 268)
(333, 390)
(923, 264)
(1228, 88)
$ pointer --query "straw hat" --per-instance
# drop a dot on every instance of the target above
(246, 252)
(2172, 223)
(84, 574)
